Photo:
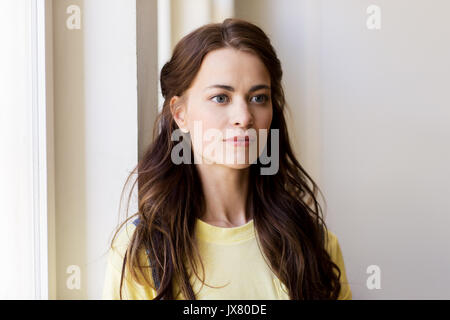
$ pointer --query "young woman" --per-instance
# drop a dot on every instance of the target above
(215, 228)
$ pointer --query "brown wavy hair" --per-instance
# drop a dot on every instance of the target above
(287, 215)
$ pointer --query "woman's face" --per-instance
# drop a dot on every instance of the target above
(229, 97)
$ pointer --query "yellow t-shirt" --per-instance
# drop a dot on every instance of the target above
(230, 256)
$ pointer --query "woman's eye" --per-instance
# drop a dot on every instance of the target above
(262, 98)
(221, 98)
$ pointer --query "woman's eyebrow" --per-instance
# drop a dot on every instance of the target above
(230, 88)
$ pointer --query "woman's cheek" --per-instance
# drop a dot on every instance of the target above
(206, 142)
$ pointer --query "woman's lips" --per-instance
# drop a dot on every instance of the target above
(240, 141)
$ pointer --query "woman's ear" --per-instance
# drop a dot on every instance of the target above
(178, 110)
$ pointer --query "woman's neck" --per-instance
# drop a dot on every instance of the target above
(225, 190)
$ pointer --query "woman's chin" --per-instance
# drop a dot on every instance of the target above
(237, 166)
(231, 165)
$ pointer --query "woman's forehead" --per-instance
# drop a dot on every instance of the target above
(230, 67)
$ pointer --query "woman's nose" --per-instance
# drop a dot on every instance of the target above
(242, 115)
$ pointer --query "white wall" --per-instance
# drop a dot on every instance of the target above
(95, 116)
(17, 274)
(372, 116)
(385, 146)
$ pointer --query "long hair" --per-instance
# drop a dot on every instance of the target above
(288, 218)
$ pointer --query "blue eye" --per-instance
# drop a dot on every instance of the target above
(221, 101)
(222, 98)
(264, 100)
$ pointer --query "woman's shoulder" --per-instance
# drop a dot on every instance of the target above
(334, 250)
(124, 235)
(120, 244)
(132, 289)
(331, 240)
